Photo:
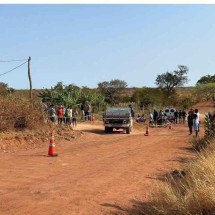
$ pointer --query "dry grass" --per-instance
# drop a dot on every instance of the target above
(19, 113)
(189, 195)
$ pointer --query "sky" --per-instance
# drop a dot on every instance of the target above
(87, 44)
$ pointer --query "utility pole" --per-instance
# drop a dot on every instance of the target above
(29, 76)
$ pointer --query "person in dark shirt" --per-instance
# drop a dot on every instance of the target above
(180, 116)
(155, 117)
(190, 122)
(183, 114)
(191, 111)
(176, 116)
(132, 111)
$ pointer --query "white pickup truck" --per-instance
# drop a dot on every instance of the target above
(118, 118)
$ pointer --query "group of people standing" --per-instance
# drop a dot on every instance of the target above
(69, 115)
(157, 117)
(193, 120)
(180, 116)
(62, 114)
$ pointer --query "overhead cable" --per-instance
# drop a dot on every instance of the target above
(13, 68)
(7, 61)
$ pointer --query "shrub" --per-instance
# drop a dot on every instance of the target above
(19, 113)
(209, 125)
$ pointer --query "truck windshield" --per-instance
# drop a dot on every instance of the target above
(118, 111)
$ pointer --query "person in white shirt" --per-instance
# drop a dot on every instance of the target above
(151, 118)
(196, 121)
(69, 115)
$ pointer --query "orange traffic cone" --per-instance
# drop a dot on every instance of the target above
(93, 119)
(147, 131)
(52, 146)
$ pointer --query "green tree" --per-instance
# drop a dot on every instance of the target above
(59, 86)
(72, 95)
(169, 80)
(205, 91)
(149, 97)
(112, 90)
(70, 87)
(206, 79)
(185, 103)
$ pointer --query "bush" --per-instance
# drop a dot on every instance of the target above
(209, 125)
(19, 113)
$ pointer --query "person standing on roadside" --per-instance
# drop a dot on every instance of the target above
(196, 121)
(74, 117)
(52, 113)
(60, 114)
(87, 111)
(150, 118)
(176, 117)
(155, 117)
(183, 114)
(69, 115)
(190, 122)
(191, 111)
(82, 111)
(180, 116)
(132, 111)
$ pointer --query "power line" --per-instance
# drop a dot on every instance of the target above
(13, 68)
(7, 61)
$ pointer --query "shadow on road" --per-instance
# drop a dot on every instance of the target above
(102, 132)
(137, 208)
(189, 149)
(33, 155)
(94, 131)
(181, 160)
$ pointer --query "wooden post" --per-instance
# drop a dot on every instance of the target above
(29, 77)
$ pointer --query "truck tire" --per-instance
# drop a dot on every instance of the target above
(128, 130)
(106, 130)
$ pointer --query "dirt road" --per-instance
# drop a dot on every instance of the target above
(94, 174)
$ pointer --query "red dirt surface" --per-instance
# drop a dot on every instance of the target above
(94, 174)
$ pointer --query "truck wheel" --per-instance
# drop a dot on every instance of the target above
(110, 130)
(128, 130)
(106, 130)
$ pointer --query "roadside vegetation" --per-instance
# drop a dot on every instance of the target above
(192, 192)
(20, 112)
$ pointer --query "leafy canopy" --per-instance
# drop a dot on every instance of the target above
(111, 90)
(206, 79)
(169, 80)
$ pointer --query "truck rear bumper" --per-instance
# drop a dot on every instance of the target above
(117, 125)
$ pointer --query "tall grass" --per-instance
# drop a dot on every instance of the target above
(193, 194)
